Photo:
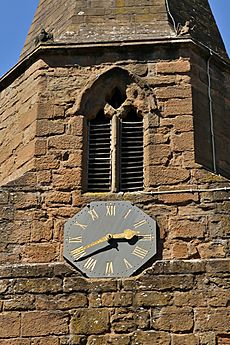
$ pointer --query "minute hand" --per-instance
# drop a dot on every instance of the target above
(101, 240)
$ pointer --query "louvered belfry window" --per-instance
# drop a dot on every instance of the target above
(131, 153)
(115, 153)
(99, 158)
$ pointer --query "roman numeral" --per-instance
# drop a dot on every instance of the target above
(127, 263)
(127, 213)
(77, 239)
(111, 210)
(140, 223)
(93, 214)
(140, 252)
(90, 264)
(146, 237)
(83, 226)
(109, 268)
(78, 253)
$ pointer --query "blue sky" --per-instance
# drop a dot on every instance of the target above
(16, 17)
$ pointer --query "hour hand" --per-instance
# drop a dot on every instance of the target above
(128, 234)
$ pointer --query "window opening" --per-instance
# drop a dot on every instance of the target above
(115, 153)
(116, 99)
(99, 154)
(131, 153)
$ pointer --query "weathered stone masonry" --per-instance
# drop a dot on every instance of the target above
(183, 295)
(175, 302)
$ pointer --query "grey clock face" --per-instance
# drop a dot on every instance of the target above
(109, 239)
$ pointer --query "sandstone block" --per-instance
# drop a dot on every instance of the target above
(179, 198)
(73, 340)
(43, 177)
(152, 299)
(95, 300)
(124, 321)
(67, 178)
(219, 297)
(163, 176)
(41, 323)
(179, 250)
(179, 66)
(183, 124)
(110, 339)
(4, 196)
(207, 319)
(25, 153)
(40, 252)
(65, 142)
(18, 341)
(139, 69)
(81, 284)
(183, 142)
(75, 126)
(185, 339)
(90, 321)
(170, 92)
(40, 147)
(46, 341)
(45, 110)
(175, 107)
(150, 338)
(218, 266)
(178, 267)
(25, 200)
(47, 162)
(22, 302)
(9, 325)
(41, 231)
(161, 80)
(25, 118)
(4, 285)
(173, 319)
(29, 133)
(39, 285)
(191, 298)
(158, 154)
(187, 228)
(57, 197)
(212, 250)
(61, 302)
(118, 299)
(160, 282)
(48, 127)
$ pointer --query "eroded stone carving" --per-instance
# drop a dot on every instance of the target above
(98, 96)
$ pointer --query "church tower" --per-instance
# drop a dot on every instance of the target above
(115, 177)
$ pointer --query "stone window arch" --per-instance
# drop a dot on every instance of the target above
(115, 108)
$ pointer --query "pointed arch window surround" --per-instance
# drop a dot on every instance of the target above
(115, 149)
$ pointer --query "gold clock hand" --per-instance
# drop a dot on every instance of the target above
(128, 234)
(101, 240)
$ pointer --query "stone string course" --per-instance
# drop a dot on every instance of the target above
(172, 303)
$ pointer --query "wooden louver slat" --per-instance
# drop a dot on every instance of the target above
(131, 174)
(99, 156)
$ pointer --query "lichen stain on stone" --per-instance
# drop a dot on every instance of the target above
(120, 3)
(120, 7)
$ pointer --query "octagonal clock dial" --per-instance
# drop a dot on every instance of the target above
(109, 239)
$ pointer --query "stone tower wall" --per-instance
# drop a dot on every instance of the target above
(183, 297)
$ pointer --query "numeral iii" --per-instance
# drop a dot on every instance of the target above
(140, 252)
